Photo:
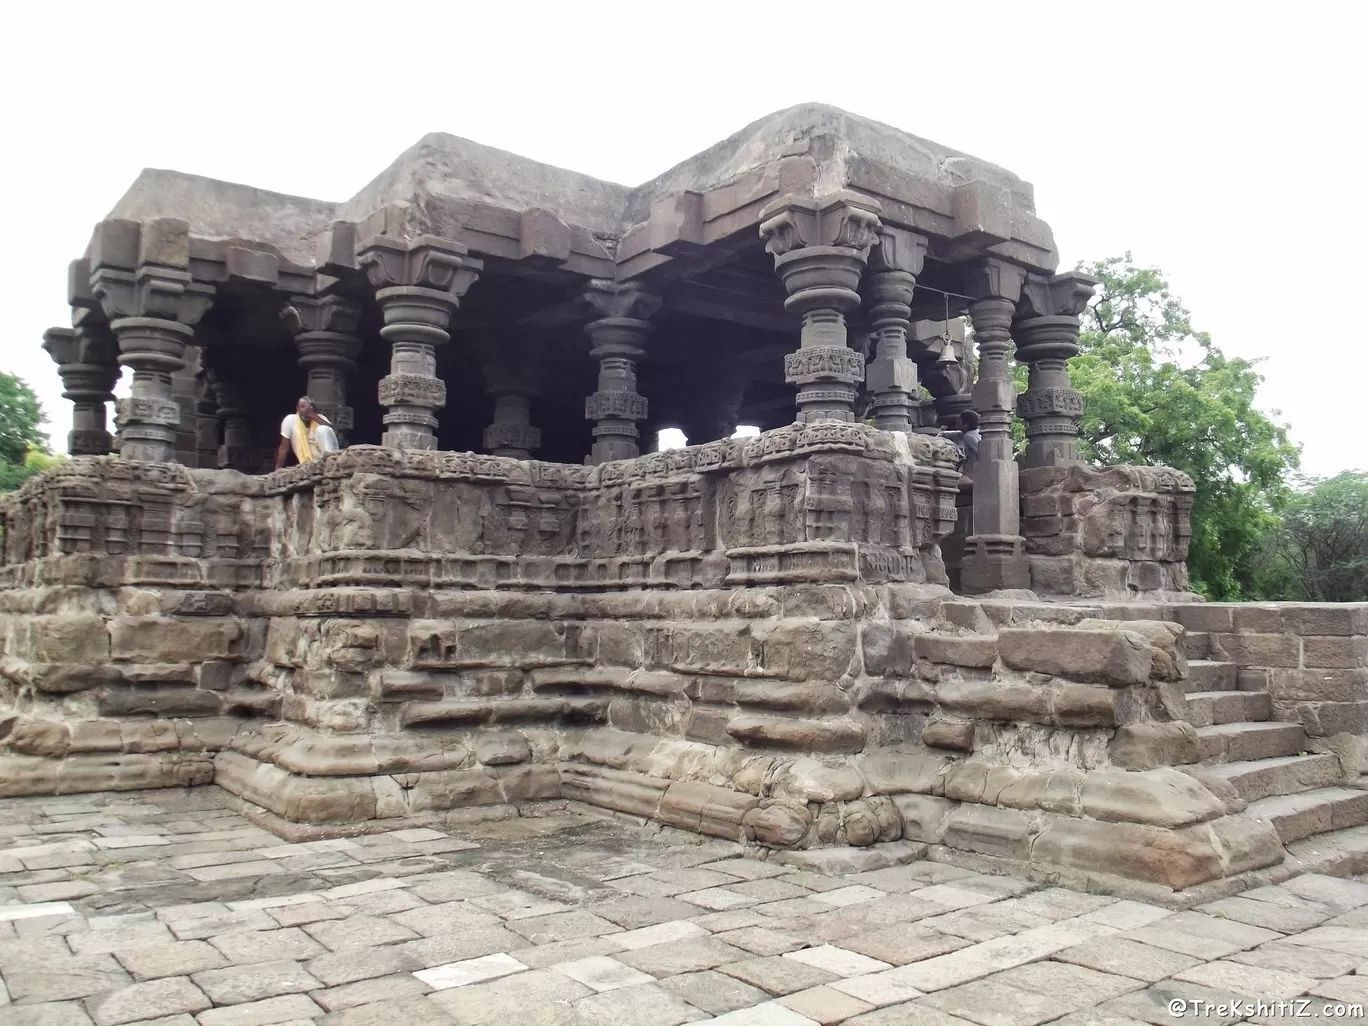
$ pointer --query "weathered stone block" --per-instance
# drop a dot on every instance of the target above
(888, 649)
(1335, 653)
(1160, 797)
(1079, 705)
(967, 615)
(1309, 685)
(807, 735)
(46, 738)
(704, 808)
(500, 748)
(974, 651)
(995, 700)
(1205, 617)
(898, 772)
(1275, 650)
(957, 735)
(139, 701)
(80, 640)
(633, 793)
(807, 780)
(1107, 657)
(813, 697)
(1129, 850)
(924, 817)
(725, 649)
(1247, 618)
(778, 826)
(806, 650)
(1244, 843)
(1327, 619)
(1166, 638)
(163, 639)
(1143, 746)
(990, 830)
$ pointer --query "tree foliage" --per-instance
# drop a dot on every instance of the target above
(21, 420)
(1160, 392)
(23, 448)
(1319, 552)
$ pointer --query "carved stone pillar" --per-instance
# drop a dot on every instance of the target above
(510, 368)
(236, 452)
(819, 249)
(87, 363)
(328, 346)
(892, 376)
(140, 274)
(208, 429)
(618, 340)
(995, 555)
(1046, 331)
(418, 283)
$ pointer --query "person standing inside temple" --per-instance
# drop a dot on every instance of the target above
(306, 433)
(970, 436)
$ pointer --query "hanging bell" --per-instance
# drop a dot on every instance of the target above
(947, 355)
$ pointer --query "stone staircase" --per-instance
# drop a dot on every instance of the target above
(1302, 794)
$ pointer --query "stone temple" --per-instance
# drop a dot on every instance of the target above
(821, 637)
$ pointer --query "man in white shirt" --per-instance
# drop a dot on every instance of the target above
(306, 433)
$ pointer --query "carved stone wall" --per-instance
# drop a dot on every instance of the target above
(1110, 532)
(750, 639)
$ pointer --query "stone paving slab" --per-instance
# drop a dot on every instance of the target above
(168, 908)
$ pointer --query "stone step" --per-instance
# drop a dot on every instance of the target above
(1290, 774)
(1240, 742)
(1338, 853)
(1300, 815)
(1196, 645)
(1207, 675)
(1207, 708)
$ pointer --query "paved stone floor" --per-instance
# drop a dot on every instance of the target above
(167, 907)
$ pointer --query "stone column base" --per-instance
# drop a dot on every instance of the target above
(994, 562)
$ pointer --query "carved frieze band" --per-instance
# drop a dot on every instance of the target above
(824, 363)
(616, 406)
(412, 390)
(1050, 402)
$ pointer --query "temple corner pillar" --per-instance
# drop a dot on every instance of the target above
(1046, 330)
(820, 247)
(139, 274)
(618, 340)
(87, 362)
(995, 553)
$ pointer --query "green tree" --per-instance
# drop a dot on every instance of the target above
(23, 448)
(21, 420)
(1319, 552)
(12, 475)
(1160, 392)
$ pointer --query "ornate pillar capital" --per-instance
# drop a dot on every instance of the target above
(1046, 330)
(418, 283)
(618, 342)
(820, 247)
(138, 273)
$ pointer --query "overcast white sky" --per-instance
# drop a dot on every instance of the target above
(1222, 142)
